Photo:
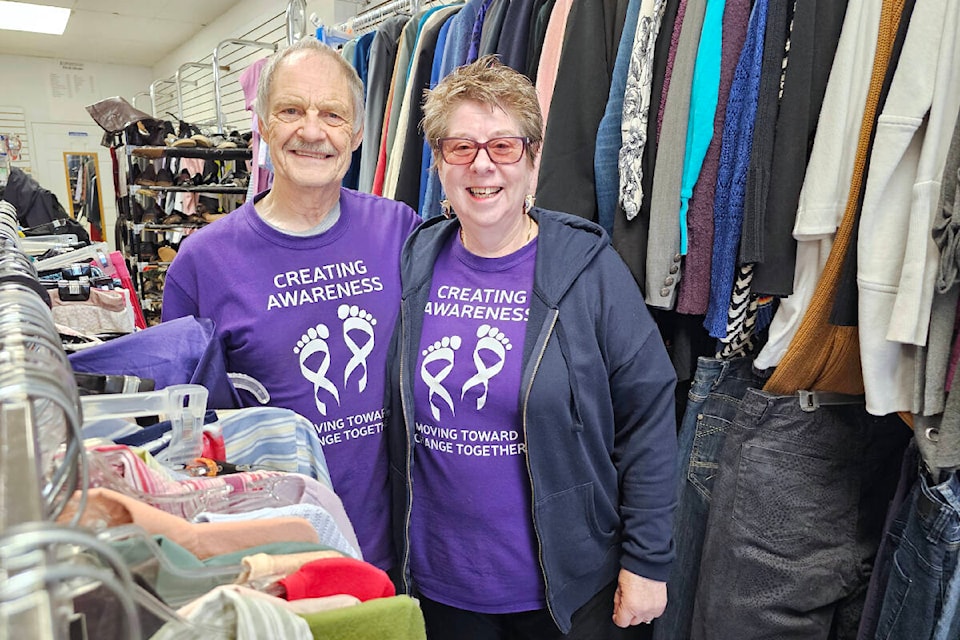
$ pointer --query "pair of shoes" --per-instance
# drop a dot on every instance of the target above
(188, 143)
(185, 179)
(150, 215)
(236, 179)
(174, 218)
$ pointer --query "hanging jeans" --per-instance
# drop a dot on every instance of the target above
(714, 396)
(922, 597)
(796, 518)
(892, 533)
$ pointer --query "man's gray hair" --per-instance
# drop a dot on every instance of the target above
(314, 47)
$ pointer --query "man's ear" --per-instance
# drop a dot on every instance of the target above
(357, 139)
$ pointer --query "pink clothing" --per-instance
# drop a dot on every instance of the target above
(204, 540)
(549, 65)
(260, 179)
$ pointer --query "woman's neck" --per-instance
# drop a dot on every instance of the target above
(492, 244)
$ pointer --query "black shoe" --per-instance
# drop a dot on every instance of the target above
(164, 178)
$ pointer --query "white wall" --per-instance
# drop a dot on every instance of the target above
(57, 91)
(53, 90)
(244, 17)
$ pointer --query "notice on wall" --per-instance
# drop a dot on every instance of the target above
(70, 81)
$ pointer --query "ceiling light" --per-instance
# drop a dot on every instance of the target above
(22, 16)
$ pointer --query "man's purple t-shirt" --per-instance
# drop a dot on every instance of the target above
(310, 318)
(471, 532)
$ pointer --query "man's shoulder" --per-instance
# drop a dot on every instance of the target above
(359, 201)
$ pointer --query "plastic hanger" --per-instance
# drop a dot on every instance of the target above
(272, 491)
(184, 405)
(97, 251)
(134, 532)
(251, 384)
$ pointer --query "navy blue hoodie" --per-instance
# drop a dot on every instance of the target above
(597, 407)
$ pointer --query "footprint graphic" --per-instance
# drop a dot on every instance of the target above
(310, 344)
(442, 351)
(357, 320)
(492, 341)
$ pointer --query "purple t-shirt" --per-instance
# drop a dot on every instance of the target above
(311, 318)
(471, 532)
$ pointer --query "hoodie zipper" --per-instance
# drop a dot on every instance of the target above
(526, 401)
(405, 563)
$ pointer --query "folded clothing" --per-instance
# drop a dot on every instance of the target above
(332, 576)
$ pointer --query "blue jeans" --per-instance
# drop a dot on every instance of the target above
(797, 514)
(892, 533)
(923, 591)
(714, 396)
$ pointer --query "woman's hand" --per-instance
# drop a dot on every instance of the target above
(638, 599)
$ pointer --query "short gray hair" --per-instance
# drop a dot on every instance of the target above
(313, 47)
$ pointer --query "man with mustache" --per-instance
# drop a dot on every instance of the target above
(303, 281)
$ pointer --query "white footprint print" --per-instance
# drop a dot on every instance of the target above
(492, 340)
(443, 351)
(311, 343)
(357, 320)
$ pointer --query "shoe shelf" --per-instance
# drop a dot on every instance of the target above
(156, 226)
(203, 188)
(212, 153)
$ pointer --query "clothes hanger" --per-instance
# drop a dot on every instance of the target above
(183, 404)
(97, 251)
(273, 491)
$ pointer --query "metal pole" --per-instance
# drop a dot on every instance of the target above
(216, 71)
(179, 81)
(153, 94)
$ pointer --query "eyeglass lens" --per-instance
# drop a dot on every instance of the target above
(506, 150)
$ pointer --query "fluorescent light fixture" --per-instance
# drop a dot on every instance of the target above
(23, 16)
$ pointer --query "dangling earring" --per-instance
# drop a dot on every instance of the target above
(446, 208)
(528, 202)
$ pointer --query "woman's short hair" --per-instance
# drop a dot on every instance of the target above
(313, 47)
(490, 82)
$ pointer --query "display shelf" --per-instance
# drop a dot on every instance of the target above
(211, 153)
(203, 188)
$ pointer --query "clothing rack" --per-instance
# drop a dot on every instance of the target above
(375, 15)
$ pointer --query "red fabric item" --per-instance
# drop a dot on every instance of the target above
(335, 576)
(379, 176)
(214, 446)
(118, 269)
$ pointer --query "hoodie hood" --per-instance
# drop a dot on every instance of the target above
(560, 245)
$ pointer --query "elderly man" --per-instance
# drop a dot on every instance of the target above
(303, 282)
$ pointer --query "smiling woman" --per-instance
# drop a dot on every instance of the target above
(533, 381)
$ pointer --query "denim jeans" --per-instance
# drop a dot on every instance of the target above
(715, 393)
(923, 592)
(797, 515)
(892, 533)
